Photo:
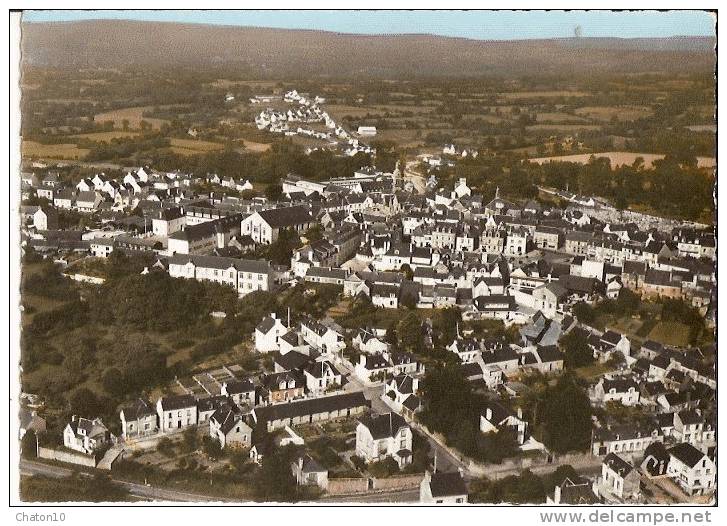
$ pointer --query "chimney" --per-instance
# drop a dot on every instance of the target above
(488, 414)
(520, 413)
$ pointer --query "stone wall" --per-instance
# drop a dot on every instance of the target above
(67, 456)
(347, 486)
(398, 482)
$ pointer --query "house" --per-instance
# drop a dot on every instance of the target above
(138, 419)
(323, 336)
(31, 421)
(384, 436)
(629, 438)
(308, 472)
(619, 478)
(176, 412)
(168, 221)
(242, 392)
(400, 394)
(88, 201)
(370, 341)
(310, 410)
(692, 427)
(243, 275)
(616, 343)
(265, 226)
(320, 376)
(84, 435)
(230, 427)
(443, 488)
(573, 492)
(692, 470)
(268, 333)
(45, 218)
(282, 387)
(623, 390)
(494, 417)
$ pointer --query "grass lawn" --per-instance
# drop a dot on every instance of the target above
(670, 333)
(593, 371)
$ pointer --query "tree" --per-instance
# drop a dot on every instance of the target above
(410, 334)
(212, 448)
(576, 349)
(85, 403)
(564, 416)
(445, 324)
(274, 481)
(406, 269)
(274, 192)
(584, 312)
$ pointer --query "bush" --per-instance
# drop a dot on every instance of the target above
(383, 468)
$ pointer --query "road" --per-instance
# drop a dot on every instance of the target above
(417, 179)
(30, 468)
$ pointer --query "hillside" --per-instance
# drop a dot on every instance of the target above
(278, 52)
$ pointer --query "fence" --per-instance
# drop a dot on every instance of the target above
(67, 456)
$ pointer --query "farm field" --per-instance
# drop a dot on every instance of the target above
(53, 151)
(193, 147)
(606, 113)
(619, 159)
(133, 115)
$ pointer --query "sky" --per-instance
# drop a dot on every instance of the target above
(487, 25)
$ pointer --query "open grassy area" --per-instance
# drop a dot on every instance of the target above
(133, 115)
(670, 333)
(53, 151)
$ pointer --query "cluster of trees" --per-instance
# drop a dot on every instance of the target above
(526, 488)
(560, 414)
(452, 408)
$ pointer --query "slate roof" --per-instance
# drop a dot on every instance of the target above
(618, 465)
(447, 484)
(311, 406)
(170, 403)
(687, 453)
(286, 217)
(383, 426)
(139, 409)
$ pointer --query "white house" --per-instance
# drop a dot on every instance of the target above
(138, 419)
(623, 390)
(264, 227)
(384, 436)
(84, 435)
(495, 417)
(443, 488)
(229, 427)
(268, 333)
(694, 471)
(176, 412)
(321, 376)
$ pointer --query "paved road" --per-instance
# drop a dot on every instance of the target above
(30, 468)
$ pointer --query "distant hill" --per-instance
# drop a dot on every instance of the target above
(281, 52)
